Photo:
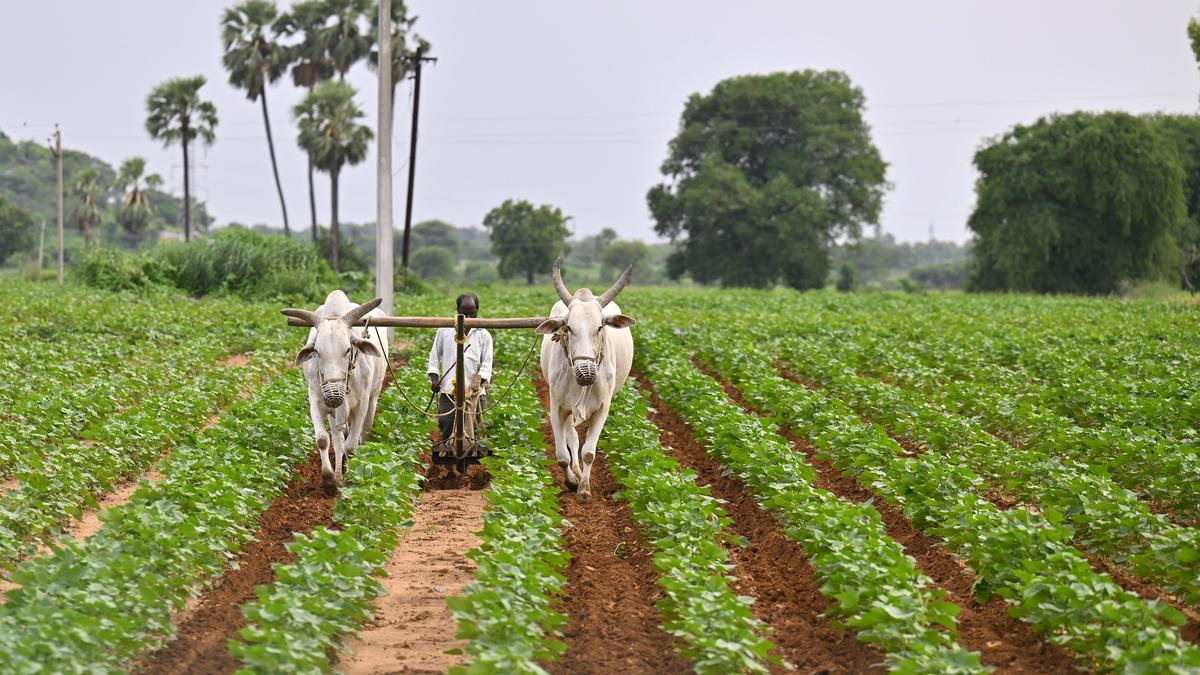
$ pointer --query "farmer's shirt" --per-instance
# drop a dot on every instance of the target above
(477, 357)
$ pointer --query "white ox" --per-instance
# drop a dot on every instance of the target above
(345, 375)
(587, 352)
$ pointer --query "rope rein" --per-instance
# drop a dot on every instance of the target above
(425, 411)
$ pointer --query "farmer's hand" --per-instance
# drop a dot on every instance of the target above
(433, 383)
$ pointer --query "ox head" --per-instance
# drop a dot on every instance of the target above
(581, 331)
(333, 346)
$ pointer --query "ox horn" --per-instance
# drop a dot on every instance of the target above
(559, 285)
(310, 318)
(353, 316)
(616, 287)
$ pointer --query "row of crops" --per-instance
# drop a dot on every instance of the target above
(1022, 433)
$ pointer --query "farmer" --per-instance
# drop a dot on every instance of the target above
(477, 354)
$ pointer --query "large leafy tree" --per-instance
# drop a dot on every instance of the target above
(255, 59)
(331, 134)
(136, 210)
(1075, 203)
(88, 194)
(765, 172)
(526, 238)
(16, 228)
(177, 114)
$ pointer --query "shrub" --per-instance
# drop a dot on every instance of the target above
(117, 270)
(245, 263)
(433, 262)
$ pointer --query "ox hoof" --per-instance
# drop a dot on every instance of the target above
(329, 482)
(584, 496)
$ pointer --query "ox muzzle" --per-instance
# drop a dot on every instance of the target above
(333, 392)
(585, 370)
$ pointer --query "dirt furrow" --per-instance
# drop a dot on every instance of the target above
(612, 623)
(205, 627)
(1003, 642)
(772, 568)
(1004, 501)
(202, 633)
(413, 627)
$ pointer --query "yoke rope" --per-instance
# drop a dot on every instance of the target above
(425, 411)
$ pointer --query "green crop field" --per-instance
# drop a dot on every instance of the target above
(928, 483)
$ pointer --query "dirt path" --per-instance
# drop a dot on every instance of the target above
(202, 633)
(612, 626)
(773, 568)
(1003, 642)
(413, 627)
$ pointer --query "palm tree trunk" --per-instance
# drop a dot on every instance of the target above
(333, 218)
(274, 165)
(312, 200)
(187, 189)
(529, 277)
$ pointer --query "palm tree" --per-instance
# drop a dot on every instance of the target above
(332, 137)
(253, 61)
(135, 205)
(310, 63)
(86, 187)
(176, 113)
(344, 37)
(401, 25)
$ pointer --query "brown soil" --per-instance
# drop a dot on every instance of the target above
(200, 643)
(1004, 501)
(772, 568)
(1002, 641)
(236, 361)
(89, 523)
(413, 627)
(612, 626)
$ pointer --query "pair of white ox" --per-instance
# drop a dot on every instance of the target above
(586, 357)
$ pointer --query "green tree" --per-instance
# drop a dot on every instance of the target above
(332, 136)
(434, 233)
(433, 262)
(1075, 203)
(1183, 132)
(765, 172)
(620, 254)
(526, 238)
(845, 281)
(588, 250)
(87, 191)
(178, 115)
(16, 228)
(136, 210)
(255, 60)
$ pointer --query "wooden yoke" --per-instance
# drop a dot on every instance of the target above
(438, 322)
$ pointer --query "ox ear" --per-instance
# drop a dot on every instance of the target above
(367, 347)
(619, 321)
(549, 326)
(309, 352)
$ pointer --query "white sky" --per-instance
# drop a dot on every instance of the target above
(573, 104)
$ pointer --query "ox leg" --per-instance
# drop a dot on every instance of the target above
(333, 479)
(368, 419)
(564, 452)
(587, 453)
(323, 438)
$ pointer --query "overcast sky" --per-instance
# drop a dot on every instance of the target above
(573, 103)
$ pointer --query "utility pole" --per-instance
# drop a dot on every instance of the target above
(58, 155)
(418, 58)
(383, 193)
(41, 245)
